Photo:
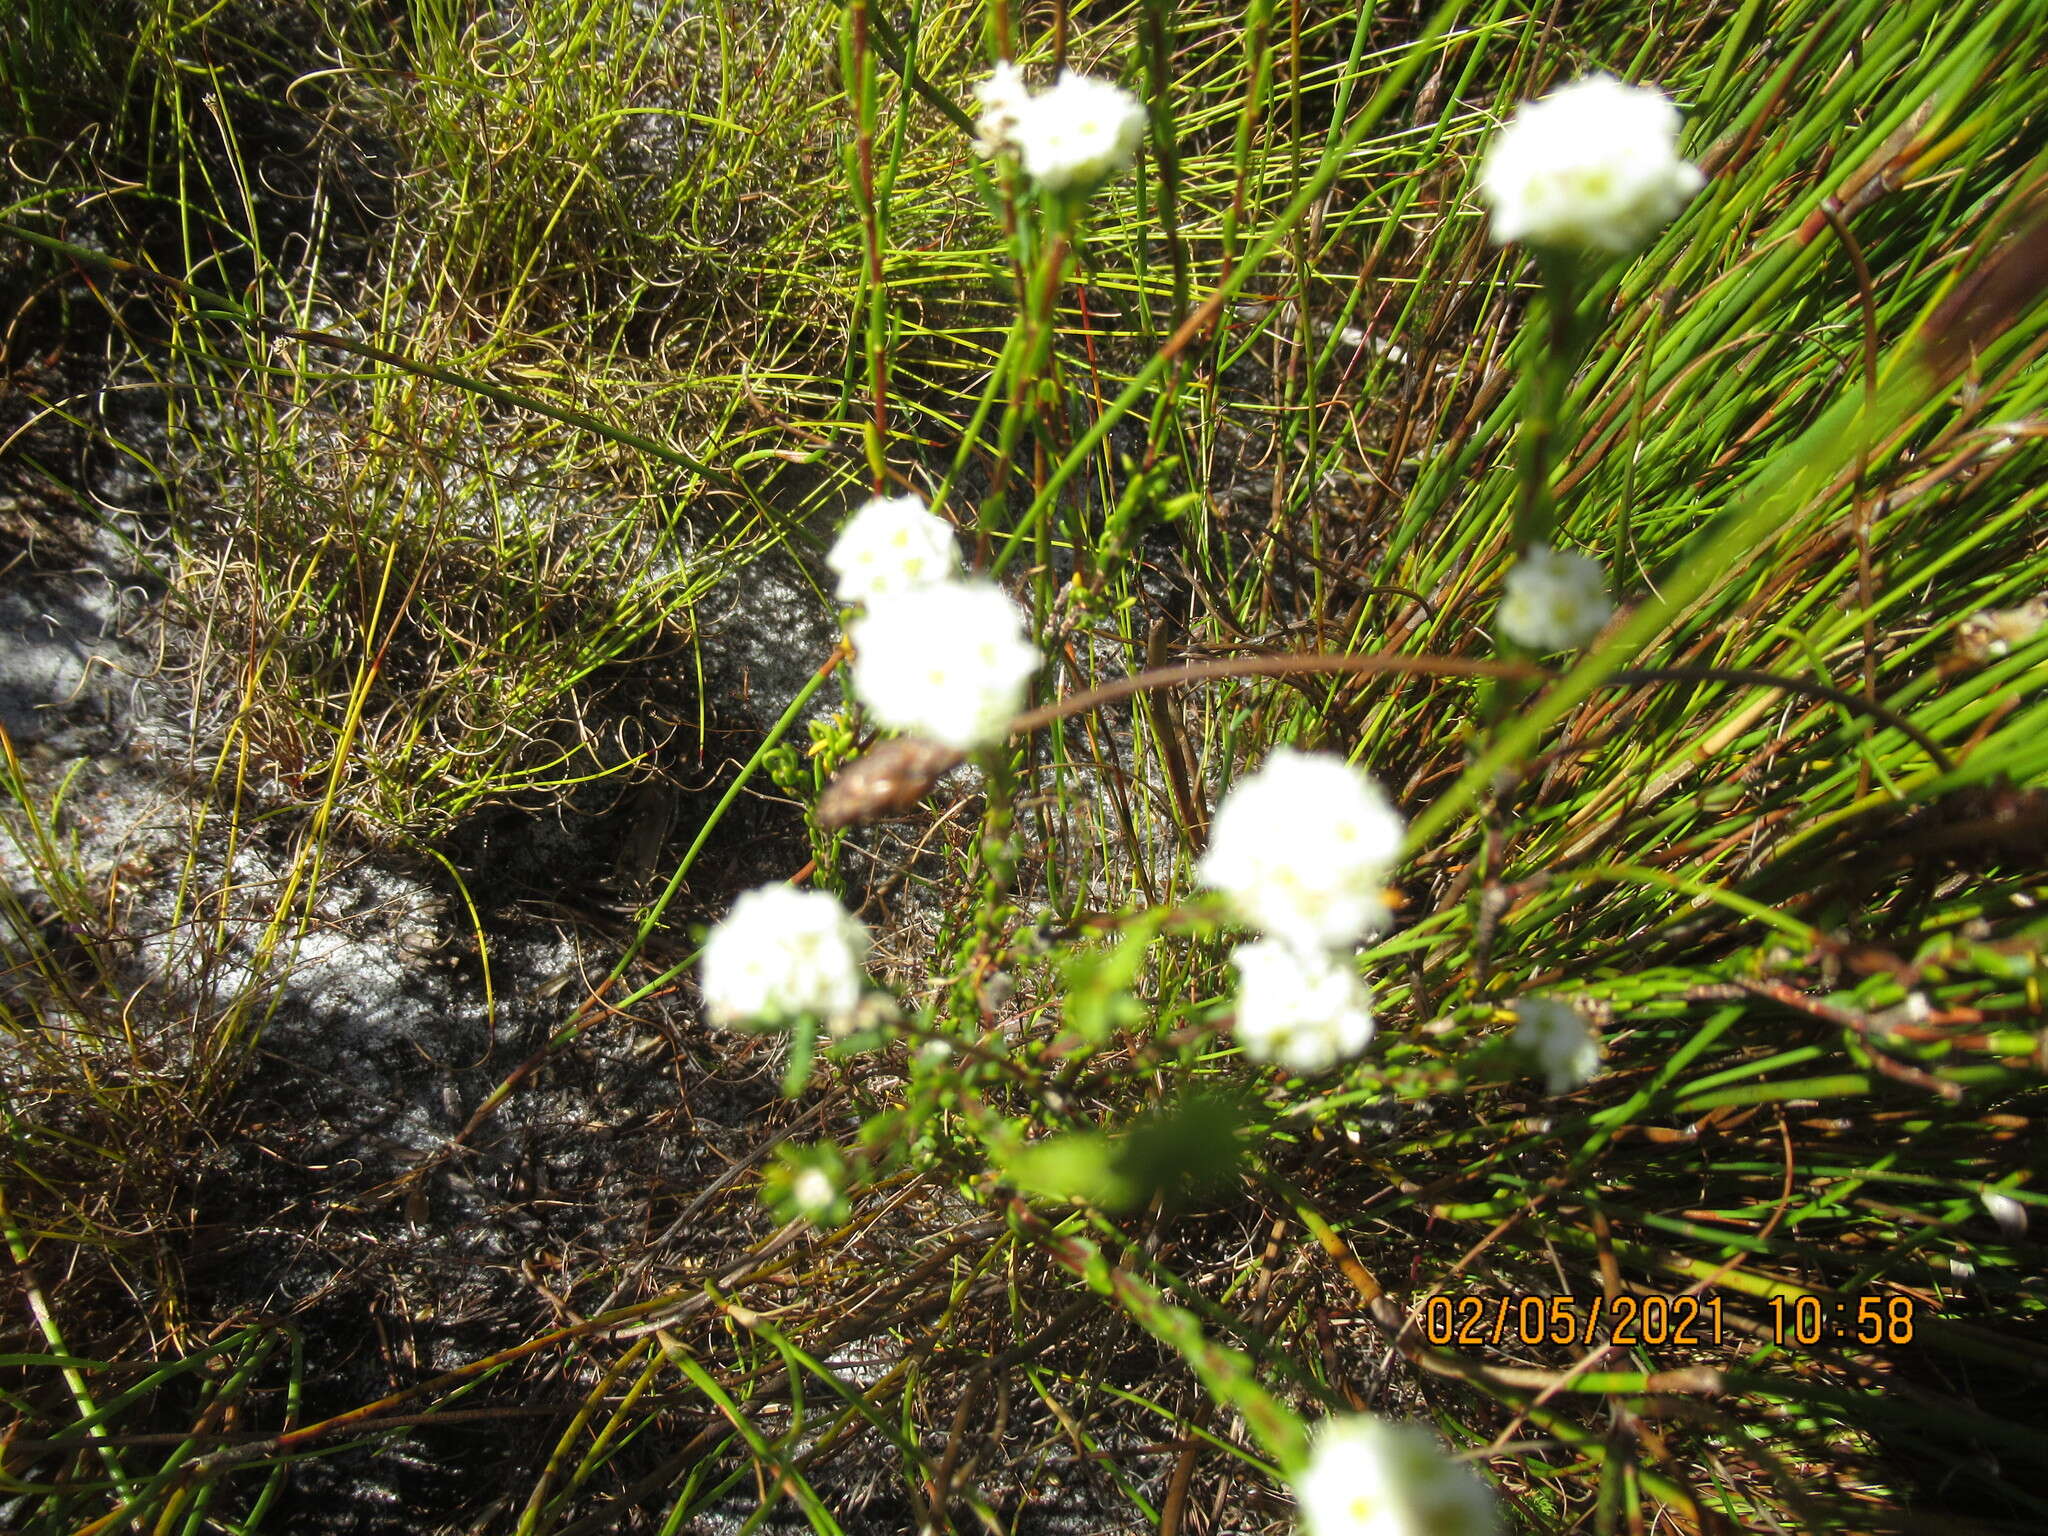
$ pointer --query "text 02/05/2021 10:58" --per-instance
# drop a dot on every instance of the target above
(1476, 1319)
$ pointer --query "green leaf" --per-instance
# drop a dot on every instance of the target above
(1079, 1165)
(1102, 985)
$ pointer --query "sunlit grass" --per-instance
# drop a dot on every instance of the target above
(621, 317)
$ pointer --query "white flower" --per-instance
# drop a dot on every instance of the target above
(1592, 166)
(782, 952)
(813, 1193)
(892, 544)
(1554, 1036)
(1554, 600)
(1002, 96)
(1368, 1477)
(1302, 849)
(1305, 1009)
(947, 662)
(1080, 132)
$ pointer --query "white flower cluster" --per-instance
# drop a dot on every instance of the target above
(949, 663)
(782, 953)
(892, 544)
(1078, 134)
(1368, 1477)
(937, 656)
(1558, 1041)
(1002, 96)
(1305, 1009)
(1554, 600)
(1302, 849)
(1593, 166)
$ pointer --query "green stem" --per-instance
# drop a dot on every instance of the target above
(1549, 374)
(860, 70)
(1040, 329)
(998, 841)
(46, 1322)
(1165, 153)
(997, 850)
(1549, 377)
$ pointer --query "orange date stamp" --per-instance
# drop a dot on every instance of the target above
(1476, 1320)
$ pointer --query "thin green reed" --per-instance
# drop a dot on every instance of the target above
(858, 65)
(1258, 75)
(1258, 71)
(1030, 388)
(1165, 156)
